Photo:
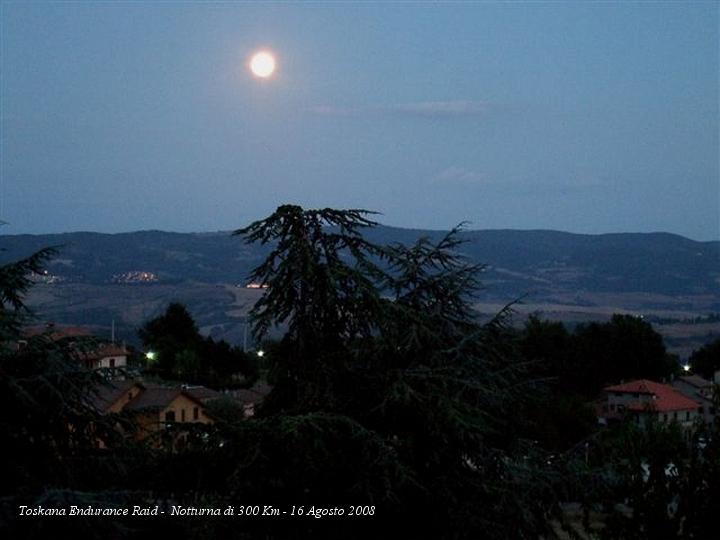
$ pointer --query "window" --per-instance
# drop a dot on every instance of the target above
(675, 415)
(182, 415)
(196, 413)
(687, 415)
(112, 362)
(170, 416)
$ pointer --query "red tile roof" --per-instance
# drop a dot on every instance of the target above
(665, 398)
(92, 348)
(57, 333)
(104, 350)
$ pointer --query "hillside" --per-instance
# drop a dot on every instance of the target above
(131, 276)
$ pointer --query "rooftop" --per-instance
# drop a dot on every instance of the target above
(203, 393)
(151, 396)
(664, 398)
(107, 394)
(696, 380)
(56, 332)
(157, 397)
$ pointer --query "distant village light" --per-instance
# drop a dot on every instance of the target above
(686, 367)
(261, 353)
(254, 285)
(151, 355)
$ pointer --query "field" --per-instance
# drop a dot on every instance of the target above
(220, 309)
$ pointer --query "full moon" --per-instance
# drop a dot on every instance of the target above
(262, 64)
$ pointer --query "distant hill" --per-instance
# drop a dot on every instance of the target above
(517, 261)
(131, 276)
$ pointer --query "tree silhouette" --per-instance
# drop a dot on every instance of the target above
(50, 429)
(182, 353)
(382, 343)
(706, 360)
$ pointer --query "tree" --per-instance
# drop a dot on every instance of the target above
(168, 335)
(384, 358)
(705, 361)
(182, 353)
(14, 284)
(49, 427)
(319, 282)
(654, 482)
(626, 347)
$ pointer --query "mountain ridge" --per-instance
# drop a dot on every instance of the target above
(98, 278)
(658, 262)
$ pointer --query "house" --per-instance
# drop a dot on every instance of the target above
(112, 397)
(104, 355)
(94, 353)
(251, 398)
(153, 407)
(643, 400)
(699, 389)
(158, 408)
(58, 334)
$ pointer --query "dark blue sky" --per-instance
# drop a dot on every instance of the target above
(574, 116)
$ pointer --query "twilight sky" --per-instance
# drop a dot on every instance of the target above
(580, 117)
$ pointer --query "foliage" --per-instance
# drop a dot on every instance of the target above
(182, 353)
(50, 429)
(706, 360)
(626, 347)
(596, 354)
(701, 495)
(577, 365)
(15, 282)
(654, 482)
(388, 392)
(384, 338)
(644, 472)
(225, 410)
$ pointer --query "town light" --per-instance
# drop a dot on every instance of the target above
(686, 367)
(151, 355)
(261, 353)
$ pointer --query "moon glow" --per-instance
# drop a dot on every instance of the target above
(262, 64)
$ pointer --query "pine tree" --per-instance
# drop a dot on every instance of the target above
(382, 342)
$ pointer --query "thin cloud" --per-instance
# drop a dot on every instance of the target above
(455, 175)
(443, 108)
(459, 175)
(433, 109)
(332, 110)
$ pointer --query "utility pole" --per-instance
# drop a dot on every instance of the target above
(245, 334)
